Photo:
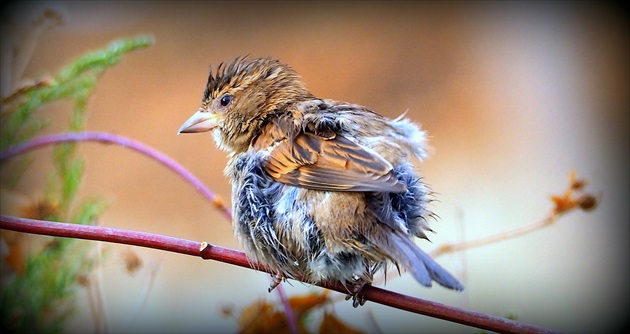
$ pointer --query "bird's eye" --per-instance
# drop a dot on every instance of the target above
(225, 100)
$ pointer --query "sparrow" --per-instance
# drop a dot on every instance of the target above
(322, 190)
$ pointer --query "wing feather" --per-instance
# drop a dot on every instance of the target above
(331, 163)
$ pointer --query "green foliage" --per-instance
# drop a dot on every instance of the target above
(75, 82)
(42, 297)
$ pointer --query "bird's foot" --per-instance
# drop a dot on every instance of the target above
(357, 293)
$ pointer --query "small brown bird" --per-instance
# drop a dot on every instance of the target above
(321, 190)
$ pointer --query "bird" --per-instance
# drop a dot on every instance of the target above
(322, 190)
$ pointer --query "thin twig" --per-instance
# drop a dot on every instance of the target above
(134, 315)
(451, 248)
(108, 138)
(24, 88)
(205, 251)
(572, 199)
(288, 311)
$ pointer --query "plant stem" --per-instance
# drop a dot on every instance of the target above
(108, 138)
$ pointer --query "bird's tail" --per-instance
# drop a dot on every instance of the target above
(421, 266)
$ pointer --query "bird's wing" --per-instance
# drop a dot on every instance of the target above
(329, 162)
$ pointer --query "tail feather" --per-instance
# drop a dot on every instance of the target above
(421, 266)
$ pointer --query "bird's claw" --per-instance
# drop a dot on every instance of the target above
(357, 293)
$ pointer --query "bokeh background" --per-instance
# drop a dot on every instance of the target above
(513, 95)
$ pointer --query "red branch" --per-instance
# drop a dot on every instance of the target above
(377, 295)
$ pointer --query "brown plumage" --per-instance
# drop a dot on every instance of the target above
(321, 190)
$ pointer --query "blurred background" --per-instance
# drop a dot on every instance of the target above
(514, 96)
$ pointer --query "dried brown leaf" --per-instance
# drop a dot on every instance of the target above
(331, 324)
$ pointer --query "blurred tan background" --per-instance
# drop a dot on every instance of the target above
(514, 96)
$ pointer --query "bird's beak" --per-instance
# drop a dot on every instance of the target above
(201, 121)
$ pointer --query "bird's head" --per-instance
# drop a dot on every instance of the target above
(241, 96)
